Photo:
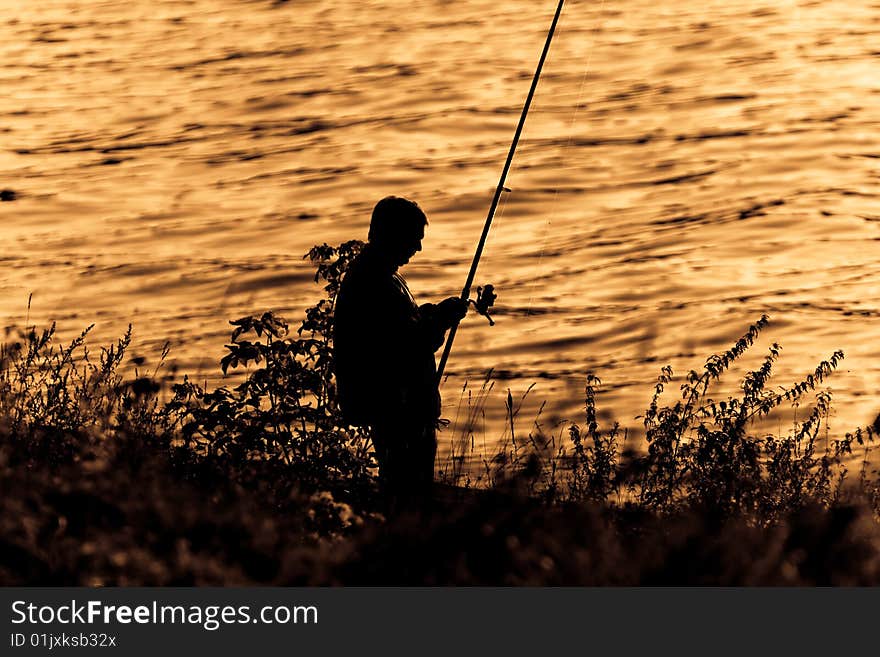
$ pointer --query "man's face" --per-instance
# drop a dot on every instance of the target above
(409, 246)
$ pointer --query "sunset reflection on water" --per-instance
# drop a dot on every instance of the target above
(687, 166)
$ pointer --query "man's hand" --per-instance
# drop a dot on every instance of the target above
(452, 310)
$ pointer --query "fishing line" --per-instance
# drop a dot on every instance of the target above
(500, 186)
(564, 153)
(536, 110)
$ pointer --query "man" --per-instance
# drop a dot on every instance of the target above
(384, 346)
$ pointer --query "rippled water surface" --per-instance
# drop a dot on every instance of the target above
(687, 166)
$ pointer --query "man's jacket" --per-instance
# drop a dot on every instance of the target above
(384, 346)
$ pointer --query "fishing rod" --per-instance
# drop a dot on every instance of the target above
(466, 291)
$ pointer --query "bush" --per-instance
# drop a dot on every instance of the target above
(285, 410)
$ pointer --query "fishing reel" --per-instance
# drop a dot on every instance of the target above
(485, 301)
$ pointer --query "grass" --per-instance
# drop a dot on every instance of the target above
(113, 473)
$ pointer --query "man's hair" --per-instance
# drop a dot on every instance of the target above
(393, 217)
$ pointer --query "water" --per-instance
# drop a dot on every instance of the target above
(687, 166)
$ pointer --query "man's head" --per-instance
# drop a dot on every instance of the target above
(397, 228)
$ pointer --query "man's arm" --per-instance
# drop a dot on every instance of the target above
(436, 319)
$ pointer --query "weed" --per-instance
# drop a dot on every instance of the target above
(285, 411)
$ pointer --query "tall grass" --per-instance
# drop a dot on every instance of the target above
(701, 453)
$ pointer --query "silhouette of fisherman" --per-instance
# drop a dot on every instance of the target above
(384, 346)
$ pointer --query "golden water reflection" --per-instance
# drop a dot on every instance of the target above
(687, 167)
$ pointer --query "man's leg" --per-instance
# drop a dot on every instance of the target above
(425, 453)
(406, 448)
(390, 445)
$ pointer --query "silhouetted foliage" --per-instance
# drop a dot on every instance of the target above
(595, 458)
(285, 410)
(701, 452)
